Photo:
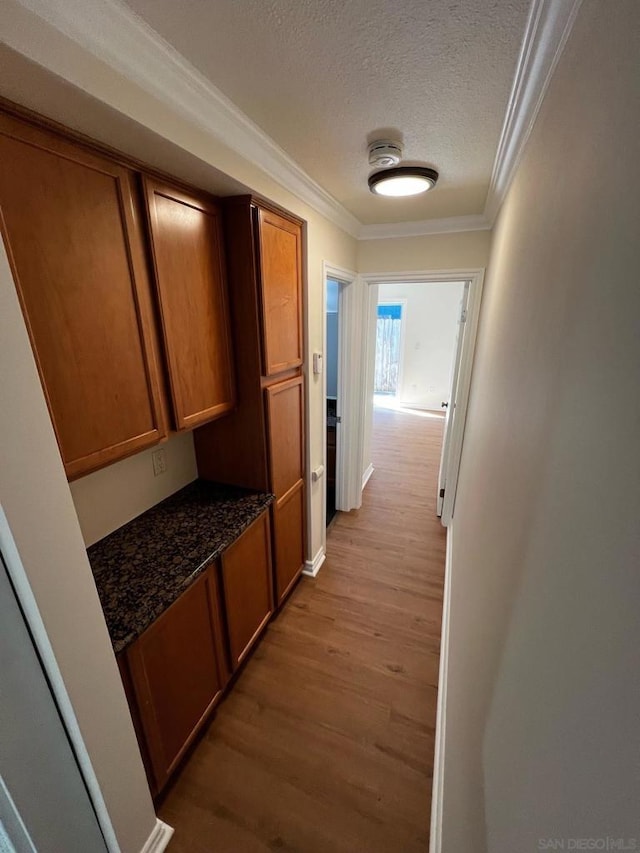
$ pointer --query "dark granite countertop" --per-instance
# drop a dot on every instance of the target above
(141, 568)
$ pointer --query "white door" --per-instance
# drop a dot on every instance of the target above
(44, 804)
(450, 411)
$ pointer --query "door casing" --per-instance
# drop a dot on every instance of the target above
(347, 428)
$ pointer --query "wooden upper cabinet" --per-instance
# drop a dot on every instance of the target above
(72, 231)
(280, 262)
(187, 249)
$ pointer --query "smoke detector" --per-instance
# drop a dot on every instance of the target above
(384, 153)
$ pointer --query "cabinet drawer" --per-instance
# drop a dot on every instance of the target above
(178, 674)
(288, 528)
(247, 587)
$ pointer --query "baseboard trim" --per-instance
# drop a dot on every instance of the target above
(418, 407)
(367, 475)
(312, 567)
(435, 841)
(159, 838)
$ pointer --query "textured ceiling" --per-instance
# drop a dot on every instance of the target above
(319, 76)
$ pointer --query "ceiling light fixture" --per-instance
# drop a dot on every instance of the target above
(403, 181)
(400, 180)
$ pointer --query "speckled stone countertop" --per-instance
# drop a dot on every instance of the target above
(141, 568)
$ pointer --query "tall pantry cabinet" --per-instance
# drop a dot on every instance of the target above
(261, 444)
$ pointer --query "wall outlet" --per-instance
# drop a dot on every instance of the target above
(159, 462)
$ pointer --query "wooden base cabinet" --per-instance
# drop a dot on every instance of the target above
(247, 588)
(288, 525)
(178, 673)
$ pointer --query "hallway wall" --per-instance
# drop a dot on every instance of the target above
(543, 698)
(462, 250)
(42, 544)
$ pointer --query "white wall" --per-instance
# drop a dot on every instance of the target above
(464, 250)
(50, 563)
(431, 319)
(107, 499)
(543, 692)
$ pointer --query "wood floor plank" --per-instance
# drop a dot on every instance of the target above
(326, 741)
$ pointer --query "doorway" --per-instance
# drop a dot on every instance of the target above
(348, 450)
(422, 396)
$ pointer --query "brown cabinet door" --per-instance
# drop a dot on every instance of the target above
(178, 674)
(187, 248)
(72, 230)
(285, 425)
(247, 587)
(280, 256)
(288, 528)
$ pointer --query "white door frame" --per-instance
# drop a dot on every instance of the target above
(347, 428)
(362, 366)
(38, 814)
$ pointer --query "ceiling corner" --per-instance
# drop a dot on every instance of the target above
(548, 27)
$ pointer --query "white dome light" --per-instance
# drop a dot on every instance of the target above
(402, 181)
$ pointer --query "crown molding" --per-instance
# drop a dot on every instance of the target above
(548, 27)
(423, 227)
(113, 33)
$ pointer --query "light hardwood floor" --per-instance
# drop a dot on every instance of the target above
(325, 744)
